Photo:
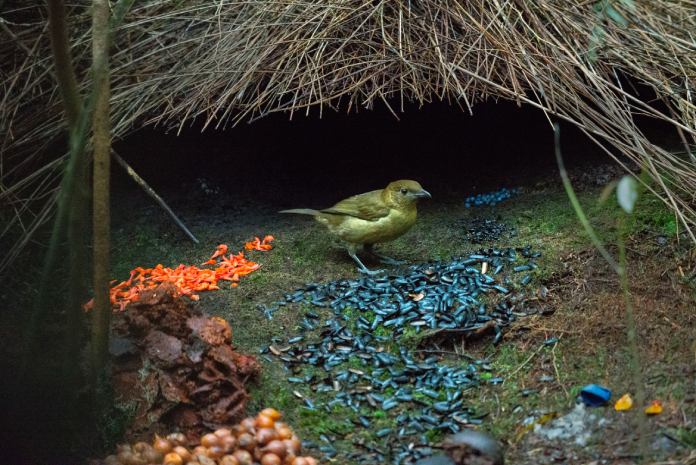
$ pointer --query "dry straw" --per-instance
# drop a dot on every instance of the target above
(220, 62)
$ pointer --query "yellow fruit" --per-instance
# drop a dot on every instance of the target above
(270, 459)
(271, 413)
(654, 408)
(161, 445)
(173, 458)
(229, 460)
(183, 453)
(210, 440)
(263, 421)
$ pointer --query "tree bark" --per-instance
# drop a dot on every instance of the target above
(71, 212)
(65, 73)
(101, 141)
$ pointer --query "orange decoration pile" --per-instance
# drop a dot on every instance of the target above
(257, 244)
(189, 280)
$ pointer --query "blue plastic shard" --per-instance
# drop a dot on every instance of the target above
(594, 395)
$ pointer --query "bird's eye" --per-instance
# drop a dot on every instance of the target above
(404, 190)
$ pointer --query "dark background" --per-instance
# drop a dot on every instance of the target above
(280, 162)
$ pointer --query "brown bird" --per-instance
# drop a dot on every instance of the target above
(363, 220)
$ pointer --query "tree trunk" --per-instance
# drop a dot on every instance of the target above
(101, 130)
(65, 73)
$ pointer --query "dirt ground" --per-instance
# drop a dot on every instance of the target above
(584, 309)
(591, 321)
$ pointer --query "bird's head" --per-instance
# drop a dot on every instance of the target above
(405, 192)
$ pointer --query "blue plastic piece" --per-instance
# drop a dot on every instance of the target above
(594, 395)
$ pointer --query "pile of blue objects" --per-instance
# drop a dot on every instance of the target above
(490, 198)
(356, 360)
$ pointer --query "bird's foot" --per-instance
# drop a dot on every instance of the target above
(370, 272)
(361, 266)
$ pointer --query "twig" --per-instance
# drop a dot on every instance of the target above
(151, 192)
(541, 347)
(12, 35)
(550, 330)
(576, 204)
(555, 369)
(447, 352)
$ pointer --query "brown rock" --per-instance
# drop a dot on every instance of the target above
(181, 369)
(163, 349)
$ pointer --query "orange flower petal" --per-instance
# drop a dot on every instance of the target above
(188, 279)
(654, 408)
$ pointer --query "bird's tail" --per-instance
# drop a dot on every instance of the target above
(301, 211)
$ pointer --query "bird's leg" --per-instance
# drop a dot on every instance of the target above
(370, 248)
(361, 266)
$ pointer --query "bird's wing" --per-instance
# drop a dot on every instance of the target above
(368, 206)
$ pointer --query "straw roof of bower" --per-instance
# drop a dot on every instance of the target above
(223, 61)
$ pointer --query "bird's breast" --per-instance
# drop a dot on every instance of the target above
(387, 228)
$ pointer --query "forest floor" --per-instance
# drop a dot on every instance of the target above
(585, 312)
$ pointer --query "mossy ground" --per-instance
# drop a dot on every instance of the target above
(539, 379)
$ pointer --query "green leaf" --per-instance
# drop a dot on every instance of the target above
(615, 16)
(627, 193)
(598, 34)
(630, 4)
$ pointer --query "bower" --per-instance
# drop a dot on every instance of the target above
(217, 64)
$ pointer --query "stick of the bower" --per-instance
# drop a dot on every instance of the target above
(151, 192)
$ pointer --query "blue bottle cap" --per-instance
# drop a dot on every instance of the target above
(594, 395)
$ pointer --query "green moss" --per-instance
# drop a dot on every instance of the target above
(272, 390)
(434, 436)
(411, 337)
(318, 422)
(114, 423)
(652, 214)
(686, 436)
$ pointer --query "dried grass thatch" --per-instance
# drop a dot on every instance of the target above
(224, 61)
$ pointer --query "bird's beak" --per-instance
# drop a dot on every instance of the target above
(423, 194)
